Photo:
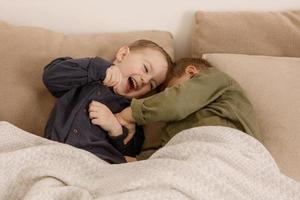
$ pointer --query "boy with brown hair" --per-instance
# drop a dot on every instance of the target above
(90, 90)
(197, 95)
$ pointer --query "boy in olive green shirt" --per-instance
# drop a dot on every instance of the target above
(197, 95)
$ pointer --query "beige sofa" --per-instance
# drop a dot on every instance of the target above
(271, 81)
(261, 50)
(24, 51)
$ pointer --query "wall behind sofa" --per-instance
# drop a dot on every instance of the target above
(75, 16)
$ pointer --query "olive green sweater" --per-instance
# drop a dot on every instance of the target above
(211, 98)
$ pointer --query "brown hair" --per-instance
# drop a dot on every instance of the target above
(179, 67)
(182, 63)
(143, 44)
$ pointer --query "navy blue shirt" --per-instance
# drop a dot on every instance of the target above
(76, 82)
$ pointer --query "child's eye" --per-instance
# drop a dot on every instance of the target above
(152, 85)
(146, 69)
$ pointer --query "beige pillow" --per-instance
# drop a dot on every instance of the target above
(273, 86)
(256, 33)
(24, 51)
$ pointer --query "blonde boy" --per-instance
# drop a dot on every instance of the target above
(90, 90)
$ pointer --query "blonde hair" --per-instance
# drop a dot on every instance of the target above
(144, 44)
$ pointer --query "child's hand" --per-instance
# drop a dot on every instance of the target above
(129, 125)
(113, 76)
(101, 115)
(130, 159)
(126, 115)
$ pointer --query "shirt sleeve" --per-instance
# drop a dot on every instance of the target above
(146, 154)
(176, 103)
(63, 74)
(134, 146)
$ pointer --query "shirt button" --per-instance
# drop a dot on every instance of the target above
(75, 130)
(98, 93)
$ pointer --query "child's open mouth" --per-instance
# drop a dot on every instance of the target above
(132, 83)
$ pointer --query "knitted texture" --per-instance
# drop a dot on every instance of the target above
(200, 163)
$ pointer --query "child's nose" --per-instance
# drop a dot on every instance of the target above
(146, 79)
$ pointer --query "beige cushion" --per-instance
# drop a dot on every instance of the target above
(273, 86)
(24, 52)
(256, 33)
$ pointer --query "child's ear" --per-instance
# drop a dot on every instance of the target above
(122, 52)
(191, 70)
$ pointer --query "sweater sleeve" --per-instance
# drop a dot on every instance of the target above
(176, 103)
(64, 74)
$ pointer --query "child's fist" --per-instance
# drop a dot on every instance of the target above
(129, 125)
(113, 76)
(101, 115)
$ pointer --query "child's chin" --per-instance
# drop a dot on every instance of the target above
(117, 91)
(128, 94)
(120, 92)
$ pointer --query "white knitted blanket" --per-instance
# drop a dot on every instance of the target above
(199, 163)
